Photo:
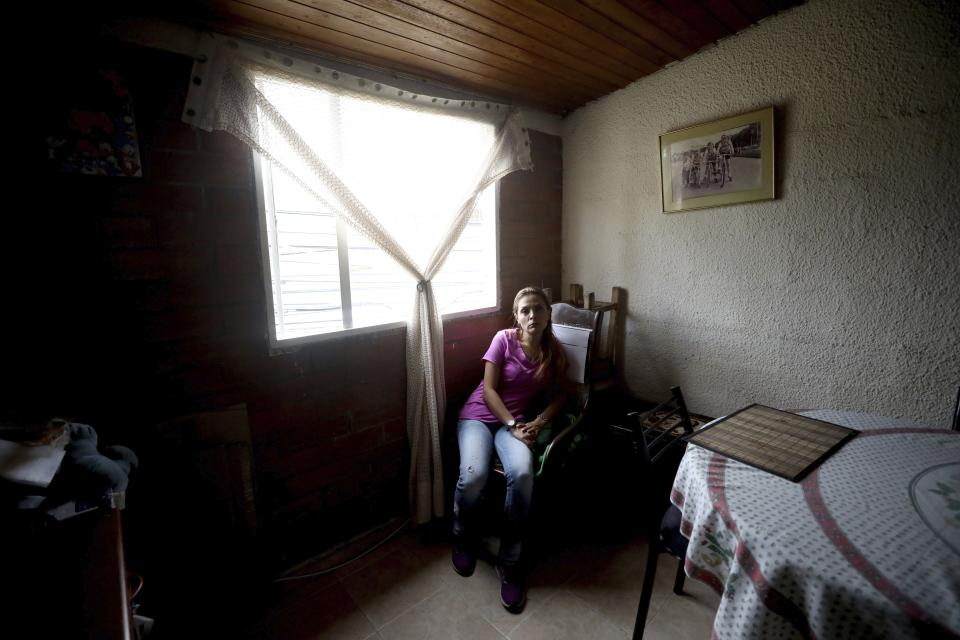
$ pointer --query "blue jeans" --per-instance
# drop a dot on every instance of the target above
(477, 441)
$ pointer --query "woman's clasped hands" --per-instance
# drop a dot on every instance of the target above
(526, 432)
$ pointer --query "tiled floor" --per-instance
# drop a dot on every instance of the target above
(407, 589)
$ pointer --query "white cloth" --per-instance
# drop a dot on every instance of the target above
(32, 465)
(230, 92)
(866, 546)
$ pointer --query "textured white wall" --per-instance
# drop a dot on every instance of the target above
(842, 293)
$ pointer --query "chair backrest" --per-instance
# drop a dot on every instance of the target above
(659, 430)
(607, 323)
(575, 329)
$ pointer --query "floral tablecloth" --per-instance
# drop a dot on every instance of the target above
(866, 546)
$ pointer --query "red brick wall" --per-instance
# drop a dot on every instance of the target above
(148, 302)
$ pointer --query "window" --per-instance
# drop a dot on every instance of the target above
(404, 166)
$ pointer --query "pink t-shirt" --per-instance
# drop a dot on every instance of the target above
(518, 383)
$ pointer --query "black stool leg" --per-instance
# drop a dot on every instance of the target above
(678, 580)
(648, 575)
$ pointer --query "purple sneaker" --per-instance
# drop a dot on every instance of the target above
(513, 593)
(464, 560)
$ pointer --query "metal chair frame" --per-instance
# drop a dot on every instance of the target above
(651, 443)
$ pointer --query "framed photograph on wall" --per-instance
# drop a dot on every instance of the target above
(727, 161)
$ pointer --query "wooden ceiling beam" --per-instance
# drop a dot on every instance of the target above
(754, 10)
(258, 22)
(637, 24)
(780, 5)
(636, 47)
(551, 26)
(555, 55)
(518, 75)
(657, 14)
(433, 30)
(699, 18)
(728, 14)
(568, 52)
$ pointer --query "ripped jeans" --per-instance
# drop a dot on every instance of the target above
(477, 441)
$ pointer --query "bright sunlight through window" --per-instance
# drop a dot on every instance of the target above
(405, 167)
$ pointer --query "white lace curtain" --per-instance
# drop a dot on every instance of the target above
(229, 92)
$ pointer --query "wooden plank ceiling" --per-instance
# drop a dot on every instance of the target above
(555, 55)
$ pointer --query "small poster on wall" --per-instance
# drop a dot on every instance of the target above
(93, 131)
(723, 162)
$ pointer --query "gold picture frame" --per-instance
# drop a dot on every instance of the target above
(695, 175)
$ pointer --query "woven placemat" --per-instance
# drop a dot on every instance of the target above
(782, 443)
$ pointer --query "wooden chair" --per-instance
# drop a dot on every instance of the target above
(605, 366)
(576, 330)
(654, 434)
(591, 367)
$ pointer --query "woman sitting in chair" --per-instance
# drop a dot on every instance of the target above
(520, 363)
